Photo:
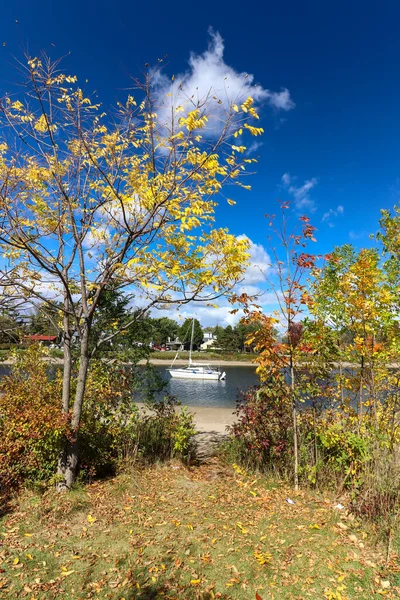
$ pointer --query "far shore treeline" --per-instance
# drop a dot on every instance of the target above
(40, 324)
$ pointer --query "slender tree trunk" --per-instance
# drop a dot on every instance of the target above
(341, 382)
(372, 371)
(315, 441)
(66, 390)
(374, 408)
(72, 452)
(360, 404)
(295, 439)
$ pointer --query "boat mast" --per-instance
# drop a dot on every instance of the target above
(191, 343)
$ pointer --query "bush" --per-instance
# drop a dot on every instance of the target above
(32, 427)
(332, 451)
(162, 432)
(379, 494)
(264, 431)
(109, 419)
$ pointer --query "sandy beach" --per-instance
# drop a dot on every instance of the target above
(212, 419)
(209, 419)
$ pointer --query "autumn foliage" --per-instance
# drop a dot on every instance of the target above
(32, 427)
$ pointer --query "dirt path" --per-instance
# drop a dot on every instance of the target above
(210, 424)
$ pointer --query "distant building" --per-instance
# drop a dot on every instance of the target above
(208, 340)
(46, 340)
(175, 344)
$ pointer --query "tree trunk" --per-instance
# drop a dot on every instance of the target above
(361, 400)
(295, 440)
(315, 441)
(341, 382)
(66, 391)
(69, 468)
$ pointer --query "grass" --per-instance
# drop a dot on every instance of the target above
(169, 532)
(203, 356)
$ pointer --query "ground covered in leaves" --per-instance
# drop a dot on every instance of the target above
(201, 533)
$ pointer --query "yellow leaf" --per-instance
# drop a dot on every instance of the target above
(315, 526)
(15, 561)
(28, 534)
(91, 519)
(195, 581)
(231, 202)
(263, 558)
(67, 573)
(29, 556)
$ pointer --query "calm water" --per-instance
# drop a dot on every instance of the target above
(203, 393)
(212, 393)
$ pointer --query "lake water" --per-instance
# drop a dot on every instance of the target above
(203, 393)
(212, 393)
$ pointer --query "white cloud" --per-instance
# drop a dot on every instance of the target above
(331, 214)
(208, 317)
(301, 194)
(210, 79)
(357, 235)
(259, 262)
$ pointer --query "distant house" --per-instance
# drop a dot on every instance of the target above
(46, 340)
(175, 344)
(208, 340)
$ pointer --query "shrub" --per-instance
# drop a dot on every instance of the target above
(108, 420)
(162, 432)
(264, 429)
(333, 453)
(32, 427)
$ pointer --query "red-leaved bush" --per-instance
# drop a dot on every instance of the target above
(264, 427)
(32, 427)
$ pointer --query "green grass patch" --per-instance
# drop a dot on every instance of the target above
(169, 532)
(203, 356)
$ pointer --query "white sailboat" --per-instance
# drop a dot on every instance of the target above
(194, 370)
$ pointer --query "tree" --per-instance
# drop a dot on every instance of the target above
(11, 327)
(90, 200)
(227, 339)
(243, 332)
(163, 330)
(112, 313)
(277, 361)
(351, 293)
(44, 320)
(185, 332)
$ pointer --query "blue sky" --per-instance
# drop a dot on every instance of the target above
(335, 153)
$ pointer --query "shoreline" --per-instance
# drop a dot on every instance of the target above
(207, 419)
(213, 363)
(162, 362)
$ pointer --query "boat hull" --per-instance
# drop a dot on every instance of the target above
(193, 374)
